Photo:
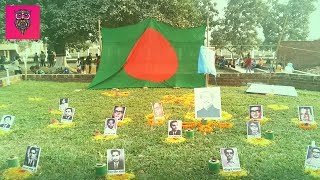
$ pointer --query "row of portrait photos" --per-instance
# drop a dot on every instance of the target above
(116, 159)
(305, 114)
(230, 159)
(68, 112)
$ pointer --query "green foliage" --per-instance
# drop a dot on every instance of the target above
(72, 154)
(242, 18)
(74, 22)
(239, 26)
(2, 20)
(291, 19)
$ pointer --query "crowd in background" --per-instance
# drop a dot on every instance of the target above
(250, 64)
(43, 61)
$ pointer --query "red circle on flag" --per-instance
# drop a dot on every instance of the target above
(152, 58)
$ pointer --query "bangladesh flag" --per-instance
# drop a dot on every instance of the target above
(149, 54)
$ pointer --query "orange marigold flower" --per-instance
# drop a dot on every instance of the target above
(224, 125)
(189, 125)
(307, 126)
(205, 129)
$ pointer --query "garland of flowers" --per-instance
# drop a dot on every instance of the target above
(124, 121)
(313, 172)
(223, 125)
(152, 122)
(262, 121)
(55, 124)
(225, 116)
(16, 173)
(34, 99)
(125, 176)
(205, 129)
(55, 112)
(190, 116)
(115, 94)
(258, 141)
(174, 140)
(97, 136)
(190, 125)
(241, 173)
(186, 100)
(305, 126)
(277, 107)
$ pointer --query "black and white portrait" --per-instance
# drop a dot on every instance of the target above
(6, 122)
(253, 129)
(313, 157)
(31, 160)
(207, 102)
(115, 161)
(174, 128)
(110, 127)
(230, 159)
(68, 115)
(63, 103)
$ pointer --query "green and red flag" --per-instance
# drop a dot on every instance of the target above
(149, 54)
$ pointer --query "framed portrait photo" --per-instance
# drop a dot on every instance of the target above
(6, 122)
(174, 128)
(157, 109)
(313, 158)
(230, 160)
(207, 102)
(253, 129)
(119, 112)
(31, 159)
(115, 161)
(63, 103)
(110, 127)
(68, 115)
(306, 114)
(256, 112)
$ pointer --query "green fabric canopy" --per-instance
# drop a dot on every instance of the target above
(149, 54)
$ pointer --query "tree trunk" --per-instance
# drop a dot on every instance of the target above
(61, 61)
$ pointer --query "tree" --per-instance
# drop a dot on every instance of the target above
(238, 28)
(71, 23)
(286, 21)
(2, 21)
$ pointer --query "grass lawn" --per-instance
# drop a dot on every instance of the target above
(71, 153)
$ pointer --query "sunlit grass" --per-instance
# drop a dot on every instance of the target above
(71, 153)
